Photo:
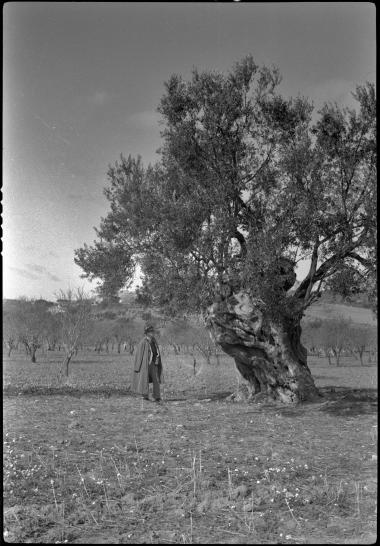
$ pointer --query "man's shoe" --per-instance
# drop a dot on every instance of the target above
(157, 400)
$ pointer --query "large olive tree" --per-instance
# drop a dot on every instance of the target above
(246, 186)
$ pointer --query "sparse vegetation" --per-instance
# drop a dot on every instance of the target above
(73, 321)
(90, 463)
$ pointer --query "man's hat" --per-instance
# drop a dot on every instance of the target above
(148, 328)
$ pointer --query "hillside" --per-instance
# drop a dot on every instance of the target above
(325, 311)
(328, 307)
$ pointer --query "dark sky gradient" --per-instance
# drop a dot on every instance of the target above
(82, 82)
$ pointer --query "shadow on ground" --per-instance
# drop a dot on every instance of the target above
(193, 397)
(106, 391)
(338, 401)
(349, 402)
(66, 390)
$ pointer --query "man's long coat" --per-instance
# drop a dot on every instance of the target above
(143, 357)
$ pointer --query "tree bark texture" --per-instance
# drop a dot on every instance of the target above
(268, 353)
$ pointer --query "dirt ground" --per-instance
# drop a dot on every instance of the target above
(111, 468)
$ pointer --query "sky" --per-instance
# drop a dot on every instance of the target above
(81, 84)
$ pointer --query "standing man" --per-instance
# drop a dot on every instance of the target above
(147, 366)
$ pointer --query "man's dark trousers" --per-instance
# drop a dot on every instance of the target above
(153, 378)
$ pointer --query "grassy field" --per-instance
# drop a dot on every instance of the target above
(86, 462)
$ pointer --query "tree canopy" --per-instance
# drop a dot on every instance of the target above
(248, 183)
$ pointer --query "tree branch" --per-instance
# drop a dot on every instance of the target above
(312, 270)
(244, 205)
(364, 261)
(251, 177)
(323, 271)
(243, 245)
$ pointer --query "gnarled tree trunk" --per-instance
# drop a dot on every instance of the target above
(267, 353)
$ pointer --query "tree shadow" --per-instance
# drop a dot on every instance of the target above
(348, 402)
(65, 390)
(193, 397)
(338, 401)
(215, 396)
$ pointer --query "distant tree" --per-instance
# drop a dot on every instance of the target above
(103, 333)
(189, 333)
(336, 337)
(96, 336)
(107, 337)
(74, 321)
(360, 341)
(246, 186)
(10, 331)
(373, 349)
(119, 332)
(133, 332)
(175, 333)
(201, 339)
(52, 332)
(32, 320)
(311, 334)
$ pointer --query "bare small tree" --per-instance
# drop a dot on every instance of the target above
(30, 319)
(74, 318)
(336, 335)
(192, 334)
(122, 331)
(10, 332)
(360, 340)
